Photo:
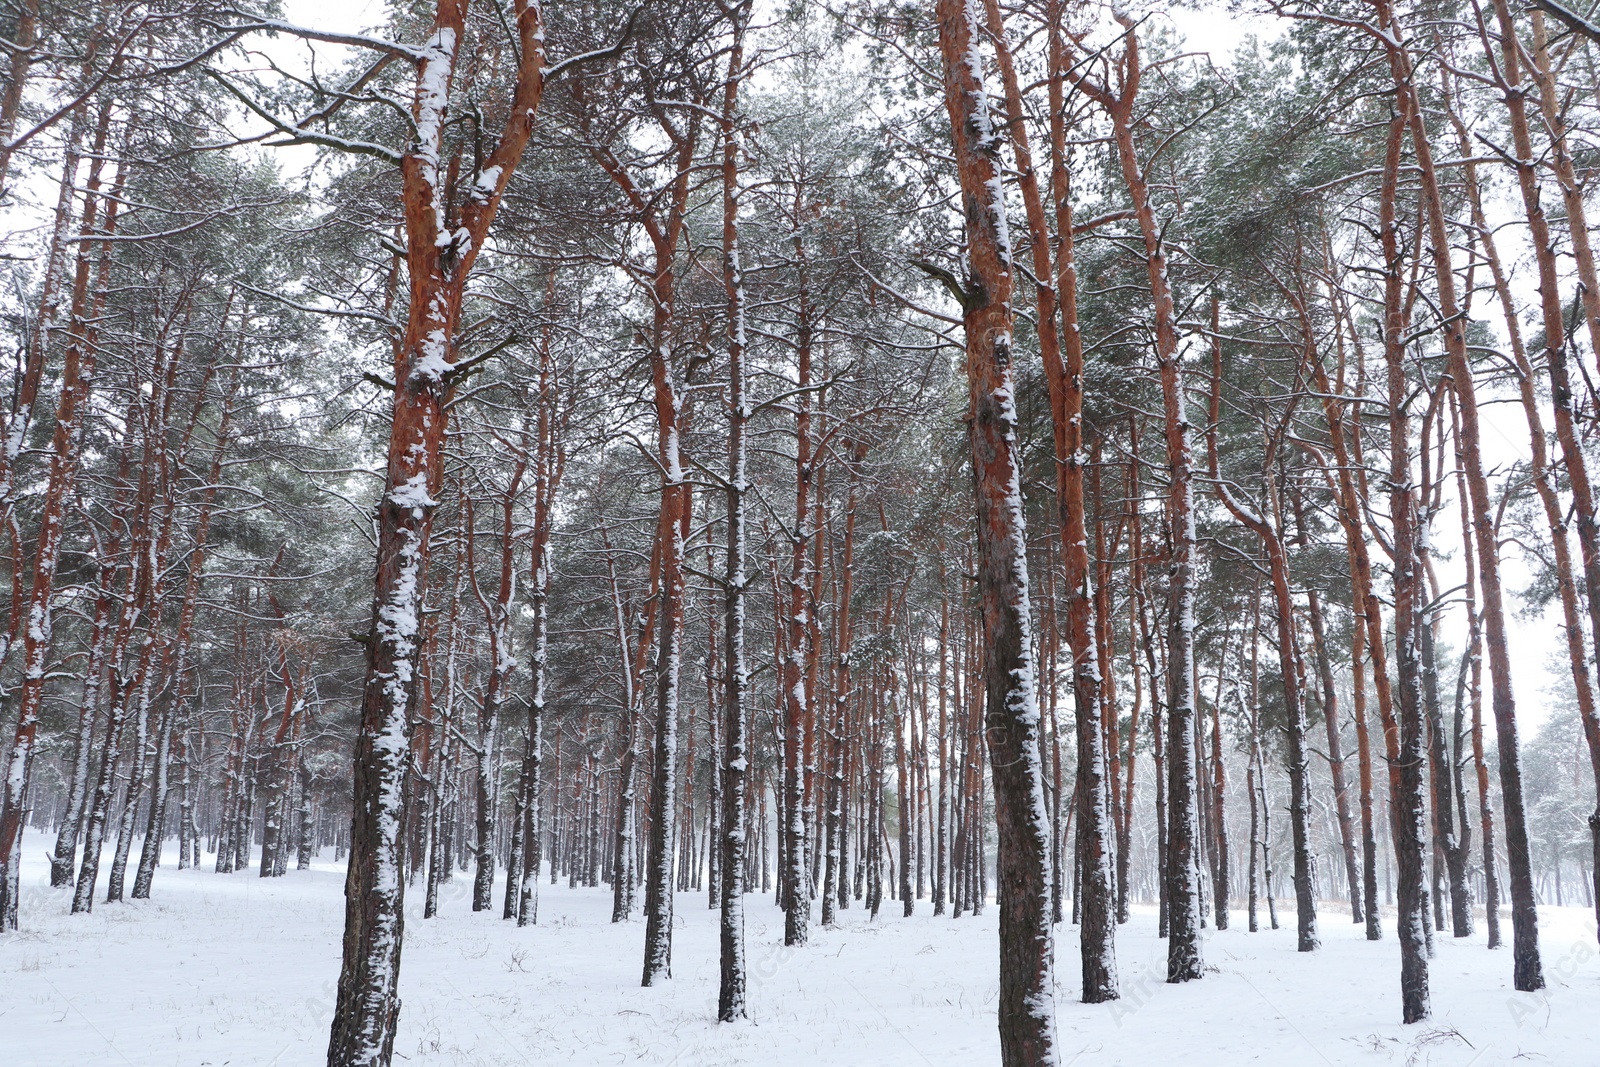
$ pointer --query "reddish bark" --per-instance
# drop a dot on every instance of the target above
(1556, 345)
(1265, 524)
(443, 240)
(77, 376)
(1404, 735)
(1528, 972)
(1027, 999)
(1184, 962)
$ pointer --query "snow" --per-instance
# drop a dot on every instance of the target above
(413, 494)
(239, 969)
(433, 362)
(486, 184)
(433, 99)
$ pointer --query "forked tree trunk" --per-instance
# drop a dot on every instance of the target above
(1556, 346)
(123, 686)
(663, 219)
(1184, 962)
(83, 750)
(439, 258)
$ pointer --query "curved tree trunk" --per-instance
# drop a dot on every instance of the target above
(1556, 345)
(1182, 876)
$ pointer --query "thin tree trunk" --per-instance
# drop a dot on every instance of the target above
(1404, 738)
(796, 694)
(1266, 525)
(88, 708)
(1336, 760)
(731, 990)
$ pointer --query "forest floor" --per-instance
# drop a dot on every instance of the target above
(238, 970)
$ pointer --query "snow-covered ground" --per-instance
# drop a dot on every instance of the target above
(234, 969)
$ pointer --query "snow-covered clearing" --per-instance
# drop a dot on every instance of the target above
(239, 970)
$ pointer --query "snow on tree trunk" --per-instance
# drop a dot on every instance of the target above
(835, 871)
(444, 236)
(547, 465)
(1182, 875)
(174, 718)
(1266, 522)
(1527, 970)
(1027, 993)
(122, 688)
(156, 815)
(77, 376)
(1344, 440)
(1404, 731)
(1336, 760)
(671, 529)
(83, 747)
(797, 696)
(732, 976)
(305, 844)
(502, 663)
(1572, 190)
(487, 796)
(633, 654)
(1556, 346)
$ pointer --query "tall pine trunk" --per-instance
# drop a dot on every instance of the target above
(443, 239)
(1027, 996)
(1403, 735)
